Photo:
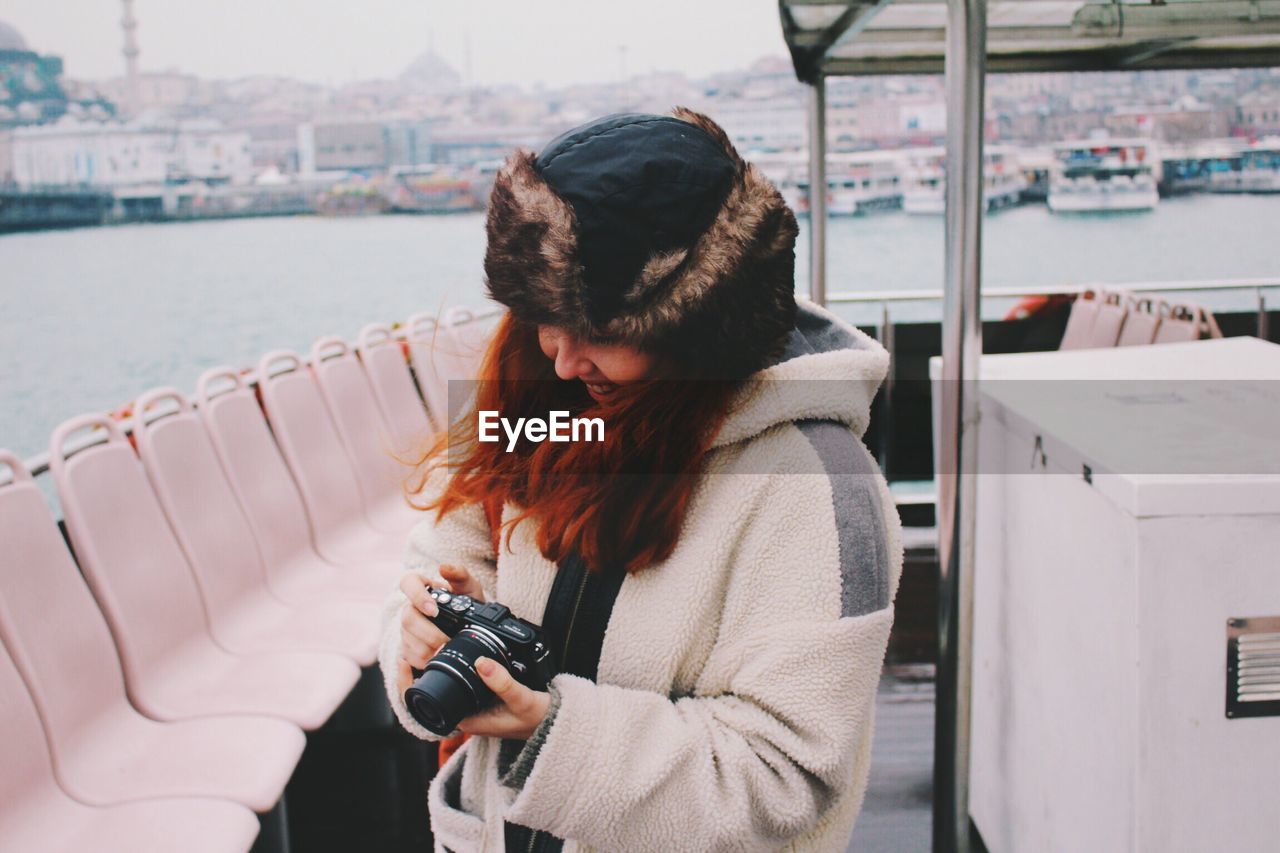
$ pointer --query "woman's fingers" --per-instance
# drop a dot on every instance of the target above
(415, 589)
(420, 639)
(519, 710)
(510, 692)
(415, 651)
(404, 675)
(461, 581)
(414, 624)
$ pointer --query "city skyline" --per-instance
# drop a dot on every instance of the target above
(330, 44)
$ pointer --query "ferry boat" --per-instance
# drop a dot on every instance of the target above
(858, 183)
(1189, 168)
(353, 196)
(926, 179)
(1252, 167)
(432, 190)
(1125, 632)
(1104, 175)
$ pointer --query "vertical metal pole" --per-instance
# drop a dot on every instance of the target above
(958, 450)
(818, 190)
(887, 415)
(1262, 315)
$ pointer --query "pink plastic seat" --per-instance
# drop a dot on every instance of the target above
(444, 352)
(469, 336)
(37, 817)
(393, 388)
(421, 333)
(310, 445)
(245, 617)
(274, 509)
(104, 751)
(1110, 317)
(1084, 311)
(365, 435)
(173, 668)
(1141, 322)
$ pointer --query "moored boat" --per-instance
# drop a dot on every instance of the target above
(1104, 175)
(1254, 167)
(858, 183)
(925, 179)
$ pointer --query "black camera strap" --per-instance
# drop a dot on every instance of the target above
(573, 623)
(577, 614)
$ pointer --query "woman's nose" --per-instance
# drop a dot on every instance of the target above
(571, 363)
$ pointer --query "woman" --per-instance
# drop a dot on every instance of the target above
(716, 577)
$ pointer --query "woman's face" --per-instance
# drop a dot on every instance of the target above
(601, 367)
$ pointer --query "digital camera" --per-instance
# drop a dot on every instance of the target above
(449, 689)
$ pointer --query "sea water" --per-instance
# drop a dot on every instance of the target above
(91, 317)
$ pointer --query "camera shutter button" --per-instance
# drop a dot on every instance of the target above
(443, 597)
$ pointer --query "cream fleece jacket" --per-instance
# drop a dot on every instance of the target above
(736, 686)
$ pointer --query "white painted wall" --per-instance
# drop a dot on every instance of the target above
(213, 155)
(97, 155)
(1100, 610)
(114, 155)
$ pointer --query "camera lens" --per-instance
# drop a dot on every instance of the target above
(439, 699)
(449, 689)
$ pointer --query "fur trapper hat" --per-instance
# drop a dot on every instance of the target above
(649, 231)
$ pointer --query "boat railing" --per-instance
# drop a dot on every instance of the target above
(935, 294)
(887, 298)
(884, 327)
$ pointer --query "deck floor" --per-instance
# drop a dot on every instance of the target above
(896, 814)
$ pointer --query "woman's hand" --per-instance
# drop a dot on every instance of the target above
(517, 714)
(518, 711)
(420, 639)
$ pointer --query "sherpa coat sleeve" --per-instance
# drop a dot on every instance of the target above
(461, 538)
(771, 734)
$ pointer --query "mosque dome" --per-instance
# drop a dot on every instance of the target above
(430, 72)
(11, 39)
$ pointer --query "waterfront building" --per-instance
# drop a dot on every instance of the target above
(1183, 121)
(205, 151)
(31, 90)
(354, 145)
(71, 153)
(170, 93)
(430, 74)
(409, 141)
(273, 141)
(891, 119)
(118, 155)
(468, 144)
(775, 123)
(1258, 113)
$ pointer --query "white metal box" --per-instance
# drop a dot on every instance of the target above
(1128, 507)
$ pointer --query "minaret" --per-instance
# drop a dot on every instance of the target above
(130, 25)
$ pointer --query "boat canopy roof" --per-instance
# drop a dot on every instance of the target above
(841, 37)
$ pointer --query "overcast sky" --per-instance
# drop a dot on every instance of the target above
(511, 41)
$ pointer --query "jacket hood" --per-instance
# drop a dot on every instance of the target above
(829, 371)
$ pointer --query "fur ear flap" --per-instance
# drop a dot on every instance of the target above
(713, 130)
(531, 261)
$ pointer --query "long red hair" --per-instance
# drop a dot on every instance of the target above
(616, 502)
